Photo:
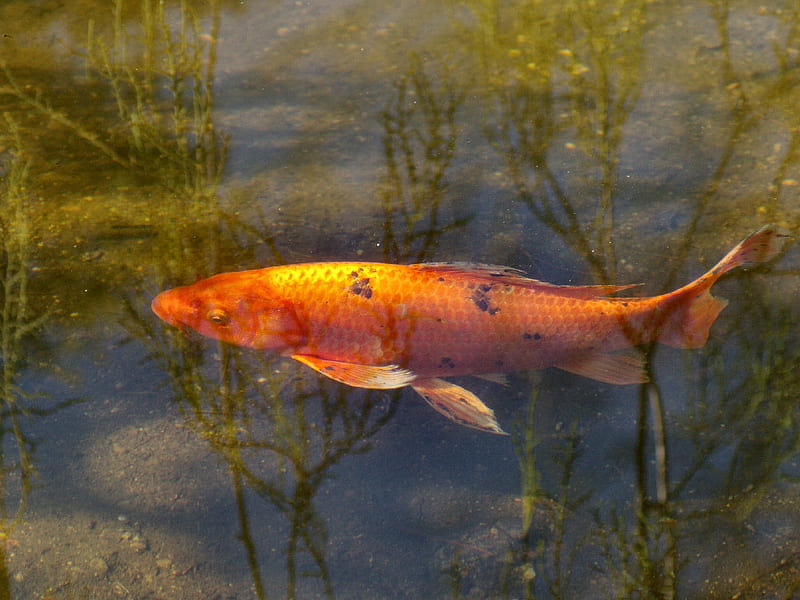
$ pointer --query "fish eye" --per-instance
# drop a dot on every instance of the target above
(219, 317)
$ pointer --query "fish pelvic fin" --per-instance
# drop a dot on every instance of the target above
(457, 404)
(382, 377)
(695, 309)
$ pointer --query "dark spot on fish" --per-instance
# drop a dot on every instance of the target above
(354, 274)
(533, 336)
(481, 299)
(624, 304)
(441, 278)
(361, 288)
(447, 362)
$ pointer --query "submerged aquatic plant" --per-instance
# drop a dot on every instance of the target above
(556, 76)
(419, 142)
(20, 318)
(159, 80)
(163, 93)
(17, 319)
(551, 556)
(525, 442)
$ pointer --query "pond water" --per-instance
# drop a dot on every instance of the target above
(145, 145)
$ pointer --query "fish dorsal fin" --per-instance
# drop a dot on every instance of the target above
(474, 269)
(457, 404)
(384, 377)
(619, 368)
(511, 276)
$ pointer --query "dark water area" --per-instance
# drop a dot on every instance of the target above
(145, 145)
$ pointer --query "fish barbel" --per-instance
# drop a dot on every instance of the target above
(384, 326)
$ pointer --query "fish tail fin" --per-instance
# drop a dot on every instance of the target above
(696, 309)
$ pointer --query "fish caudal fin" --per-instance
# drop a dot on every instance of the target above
(695, 309)
(457, 404)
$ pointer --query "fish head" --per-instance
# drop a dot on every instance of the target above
(232, 308)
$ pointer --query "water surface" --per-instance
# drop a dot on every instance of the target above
(145, 146)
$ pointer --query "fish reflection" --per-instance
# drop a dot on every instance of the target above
(385, 326)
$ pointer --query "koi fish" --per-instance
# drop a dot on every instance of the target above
(385, 326)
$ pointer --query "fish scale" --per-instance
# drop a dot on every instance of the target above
(416, 317)
(387, 326)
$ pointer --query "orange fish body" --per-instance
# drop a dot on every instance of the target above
(387, 326)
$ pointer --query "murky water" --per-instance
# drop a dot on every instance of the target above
(145, 146)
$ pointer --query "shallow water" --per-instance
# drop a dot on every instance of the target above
(581, 142)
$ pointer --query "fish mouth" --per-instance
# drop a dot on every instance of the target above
(163, 306)
(157, 306)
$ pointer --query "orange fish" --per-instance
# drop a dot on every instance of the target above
(385, 326)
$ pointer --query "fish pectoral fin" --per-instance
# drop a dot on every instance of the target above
(384, 377)
(619, 368)
(457, 404)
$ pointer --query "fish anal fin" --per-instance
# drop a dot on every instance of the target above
(498, 378)
(619, 368)
(457, 404)
(384, 377)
